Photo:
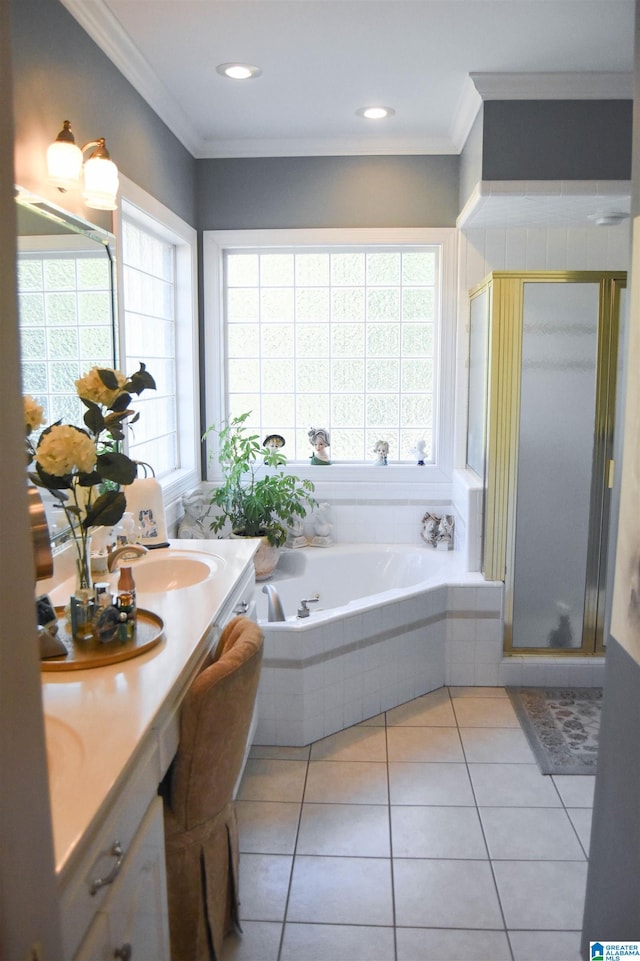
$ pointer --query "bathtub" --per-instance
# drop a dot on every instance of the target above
(391, 622)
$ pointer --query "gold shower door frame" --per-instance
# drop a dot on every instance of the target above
(504, 352)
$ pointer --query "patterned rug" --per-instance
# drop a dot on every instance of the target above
(562, 726)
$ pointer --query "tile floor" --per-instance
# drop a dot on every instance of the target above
(426, 833)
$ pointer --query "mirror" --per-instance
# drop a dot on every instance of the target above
(66, 310)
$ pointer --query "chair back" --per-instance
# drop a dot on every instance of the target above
(214, 725)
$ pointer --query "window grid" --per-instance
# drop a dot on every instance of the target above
(149, 299)
(341, 339)
(65, 326)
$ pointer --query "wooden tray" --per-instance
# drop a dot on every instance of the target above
(84, 654)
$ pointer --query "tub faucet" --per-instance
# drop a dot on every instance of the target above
(128, 552)
(274, 611)
(303, 610)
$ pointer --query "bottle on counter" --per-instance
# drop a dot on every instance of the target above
(126, 603)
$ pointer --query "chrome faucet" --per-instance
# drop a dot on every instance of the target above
(274, 610)
(128, 552)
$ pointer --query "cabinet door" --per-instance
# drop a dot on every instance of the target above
(133, 921)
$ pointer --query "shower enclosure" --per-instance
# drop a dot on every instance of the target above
(542, 371)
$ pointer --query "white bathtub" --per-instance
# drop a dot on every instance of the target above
(354, 577)
(392, 622)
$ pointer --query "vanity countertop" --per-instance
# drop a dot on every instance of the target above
(98, 721)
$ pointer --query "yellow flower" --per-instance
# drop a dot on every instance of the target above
(33, 413)
(64, 447)
(92, 388)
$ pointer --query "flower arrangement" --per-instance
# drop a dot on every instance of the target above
(83, 467)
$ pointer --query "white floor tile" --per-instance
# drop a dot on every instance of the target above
(268, 827)
(436, 832)
(363, 742)
(264, 882)
(336, 942)
(485, 712)
(265, 779)
(259, 941)
(495, 745)
(347, 782)
(341, 891)
(345, 830)
(430, 783)
(512, 785)
(550, 945)
(547, 895)
(538, 834)
(444, 893)
(428, 944)
(575, 790)
(424, 744)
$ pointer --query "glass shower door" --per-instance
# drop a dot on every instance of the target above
(557, 438)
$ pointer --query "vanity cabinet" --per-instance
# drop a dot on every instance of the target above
(121, 726)
(132, 922)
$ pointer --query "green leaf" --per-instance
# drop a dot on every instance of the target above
(89, 480)
(106, 510)
(121, 402)
(141, 380)
(52, 481)
(108, 378)
(116, 467)
(93, 418)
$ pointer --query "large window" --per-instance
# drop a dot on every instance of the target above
(159, 329)
(344, 336)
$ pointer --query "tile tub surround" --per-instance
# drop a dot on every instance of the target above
(335, 669)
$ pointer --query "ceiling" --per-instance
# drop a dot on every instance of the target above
(321, 60)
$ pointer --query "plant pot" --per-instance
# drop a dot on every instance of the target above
(265, 559)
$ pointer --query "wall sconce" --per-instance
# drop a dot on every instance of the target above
(65, 165)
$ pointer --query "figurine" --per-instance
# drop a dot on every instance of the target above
(430, 526)
(272, 443)
(191, 524)
(319, 439)
(322, 527)
(419, 451)
(444, 536)
(381, 450)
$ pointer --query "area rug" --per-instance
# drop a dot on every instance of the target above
(562, 726)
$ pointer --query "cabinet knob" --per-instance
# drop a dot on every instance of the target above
(124, 952)
(241, 607)
(97, 883)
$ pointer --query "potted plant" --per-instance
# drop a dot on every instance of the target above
(254, 501)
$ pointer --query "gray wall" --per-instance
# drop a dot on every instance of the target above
(613, 882)
(327, 192)
(60, 74)
(557, 140)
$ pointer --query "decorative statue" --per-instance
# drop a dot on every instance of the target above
(272, 443)
(381, 450)
(445, 533)
(429, 532)
(195, 511)
(319, 439)
(322, 526)
(419, 451)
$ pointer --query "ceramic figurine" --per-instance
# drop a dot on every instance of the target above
(295, 534)
(444, 535)
(419, 451)
(429, 532)
(322, 527)
(319, 439)
(272, 443)
(195, 511)
(381, 450)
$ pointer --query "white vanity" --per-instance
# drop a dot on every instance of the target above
(111, 734)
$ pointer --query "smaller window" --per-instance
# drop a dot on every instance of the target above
(159, 329)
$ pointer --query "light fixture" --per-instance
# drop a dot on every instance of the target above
(238, 71)
(375, 113)
(65, 165)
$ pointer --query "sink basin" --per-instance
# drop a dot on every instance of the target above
(173, 570)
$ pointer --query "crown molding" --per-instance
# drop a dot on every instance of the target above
(468, 106)
(106, 31)
(324, 147)
(554, 86)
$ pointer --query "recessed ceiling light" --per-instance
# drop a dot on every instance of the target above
(238, 71)
(375, 113)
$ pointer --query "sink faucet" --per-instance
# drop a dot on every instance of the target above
(274, 610)
(128, 552)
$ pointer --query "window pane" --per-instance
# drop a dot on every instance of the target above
(342, 339)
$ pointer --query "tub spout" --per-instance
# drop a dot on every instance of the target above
(274, 612)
